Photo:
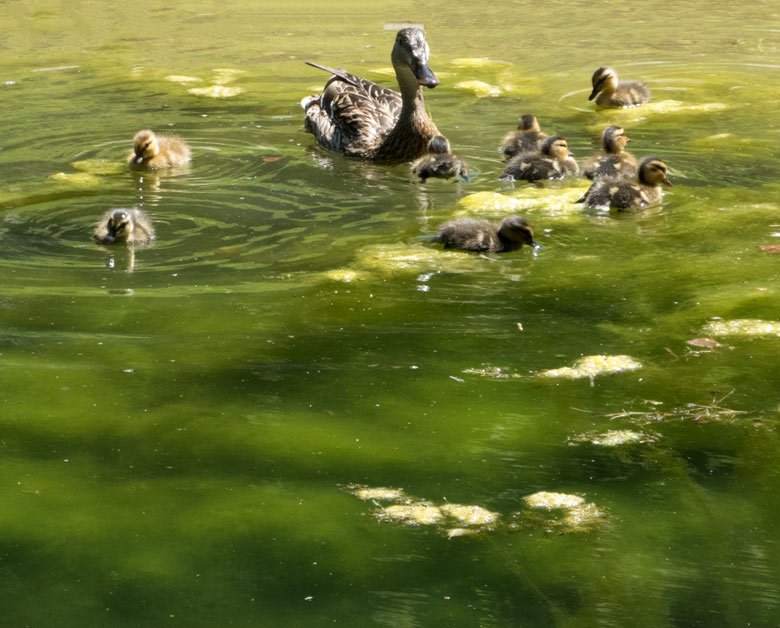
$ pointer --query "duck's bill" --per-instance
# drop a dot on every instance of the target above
(139, 159)
(593, 93)
(667, 182)
(425, 76)
(536, 245)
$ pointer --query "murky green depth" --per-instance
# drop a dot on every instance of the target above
(185, 429)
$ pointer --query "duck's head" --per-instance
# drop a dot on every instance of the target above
(614, 139)
(145, 146)
(517, 229)
(120, 225)
(528, 122)
(439, 145)
(604, 79)
(556, 147)
(652, 171)
(411, 53)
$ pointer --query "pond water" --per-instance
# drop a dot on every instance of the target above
(186, 428)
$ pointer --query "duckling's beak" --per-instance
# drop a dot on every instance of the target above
(109, 238)
(667, 182)
(138, 159)
(571, 154)
(593, 94)
(425, 76)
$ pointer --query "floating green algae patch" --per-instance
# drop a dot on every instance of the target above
(743, 327)
(614, 438)
(593, 365)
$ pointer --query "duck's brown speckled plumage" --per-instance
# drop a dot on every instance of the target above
(554, 161)
(527, 138)
(614, 162)
(124, 226)
(621, 194)
(609, 92)
(358, 118)
(481, 236)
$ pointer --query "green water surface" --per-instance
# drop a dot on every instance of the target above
(181, 426)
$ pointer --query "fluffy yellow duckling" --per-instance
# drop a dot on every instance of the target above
(157, 151)
(440, 162)
(554, 161)
(621, 194)
(614, 162)
(482, 236)
(124, 226)
(527, 138)
(608, 92)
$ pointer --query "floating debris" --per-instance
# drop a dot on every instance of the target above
(704, 343)
(593, 365)
(346, 275)
(378, 493)
(216, 91)
(495, 372)
(470, 515)
(75, 178)
(99, 167)
(692, 412)
(420, 513)
(582, 518)
(479, 88)
(182, 80)
(455, 532)
(614, 438)
(743, 327)
(551, 501)
(770, 248)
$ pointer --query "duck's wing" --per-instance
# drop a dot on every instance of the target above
(353, 115)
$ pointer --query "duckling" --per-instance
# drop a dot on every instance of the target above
(355, 117)
(440, 162)
(157, 151)
(621, 194)
(554, 161)
(527, 138)
(614, 163)
(608, 92)
(124, 226)
(482, 236)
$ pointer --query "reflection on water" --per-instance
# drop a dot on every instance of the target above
(175, 440)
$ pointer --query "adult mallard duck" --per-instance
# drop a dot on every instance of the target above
(527, 138)
(621, 194)
(608, 92)
(482, 236)
(614, 162)
(124, 226)
(157, 151)
(358, 118)
(440, 162)
(554, 161)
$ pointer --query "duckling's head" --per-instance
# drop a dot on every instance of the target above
(145, 146)
(528, 122)
(604, 79)
(614, 139)
(439, 145)
(517, 229)
(652, 171)
(556, 147)
(411, 53)
(120, 225)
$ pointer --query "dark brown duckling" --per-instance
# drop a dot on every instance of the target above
(554, 161)
(157, 151)
(527, 138)
(608, 92)
(124, 226)
(614, 162)
(482, 236)
(440, 162)
(621, 194)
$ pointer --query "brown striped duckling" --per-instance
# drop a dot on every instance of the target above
(527, 138)
(157, 151)
(482, 236)
(608, 92)
(622, 194)
(124, 226)
(614, 162)
(554, 161)
(358, 118)
(440, 162)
